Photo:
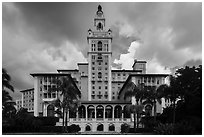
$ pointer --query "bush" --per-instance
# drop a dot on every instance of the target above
(73, 128)
(125, 128)
(182, 128)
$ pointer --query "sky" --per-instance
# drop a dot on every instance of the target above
(44, 37)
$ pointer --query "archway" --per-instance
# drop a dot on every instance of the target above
(108, 111)
(111, 127)
(99, 111)
(118, 112)
(126, 111)
(82, 111)
(148, 110)
(50, 110)
(91, 111)
(88, 128)
(100, 127)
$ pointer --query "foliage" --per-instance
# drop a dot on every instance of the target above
(125, 128)
(185, 93)
(182, 128)
(68, 99)
(74, 128)
(8, 109)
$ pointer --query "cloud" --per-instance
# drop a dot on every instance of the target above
(127, 60)
(39, 37)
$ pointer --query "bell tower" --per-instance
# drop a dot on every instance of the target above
(99, 58)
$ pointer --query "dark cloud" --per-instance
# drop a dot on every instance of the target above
(192, 63)
(40, 37)
(120, 43)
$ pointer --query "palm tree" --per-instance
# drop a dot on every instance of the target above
(171, 93)
(68, 99)
(136, 93)
(6, 86)
(153, 95)
(8, 108)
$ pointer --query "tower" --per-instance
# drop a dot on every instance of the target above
(99, 60)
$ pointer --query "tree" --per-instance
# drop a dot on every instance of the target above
(8, 108)
(185, 93)
(153, 95)
(137, 94)
(68, 99)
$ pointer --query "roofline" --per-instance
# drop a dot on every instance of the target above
(105, 102)
(67, 70)
(82, 63)
(123, 70)
(150, 74)
(49, 74)
(138, 61)
(140, 75)
(27, 90)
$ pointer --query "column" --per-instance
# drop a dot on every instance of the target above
(95, 111)
(104, 113)
(113, 113)
(86, 117)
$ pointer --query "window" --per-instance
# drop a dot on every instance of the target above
(93, 82)
(99, 26)
(93, 87)
(157, 81)
(138, 81)
(118, 74)
(45, 95)
(93, 68)
(93, 97)
(93, 73)
(113, 97)
(106, 87)
(99, 87)
(93, 63)
(99, 75)
(99, 46)
(99, 68)
(99, 63)
(99, 97)
(106, 68)
(106, 63)
(93, 56)
(93, 47)
(93, 92)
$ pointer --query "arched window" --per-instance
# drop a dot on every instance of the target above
(88, 128)
(100, 127)
(99, 75)
(99, 26)
(99, 46)
(50, 111)
(111, 127)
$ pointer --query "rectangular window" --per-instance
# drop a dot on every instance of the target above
(93, 68)
(93, 87)
(99, 87)
(106, 87)
(45, 95)
(93, 92)
(106, 63)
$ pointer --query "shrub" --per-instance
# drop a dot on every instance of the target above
(74, 128)
(125, 128)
